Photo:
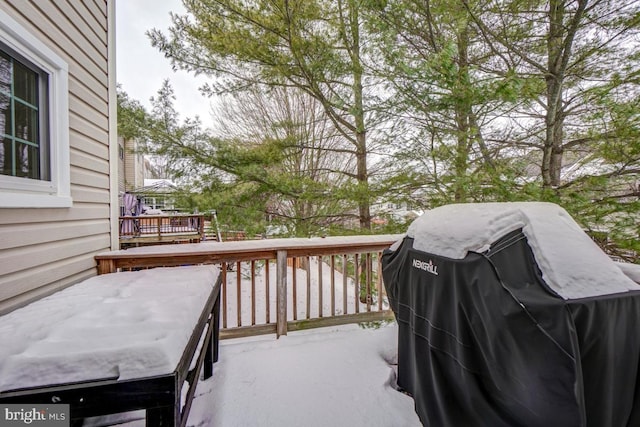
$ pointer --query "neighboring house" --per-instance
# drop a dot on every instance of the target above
(58, 153)
(131, 169)
(131, 165)
(398, 211)
(158, 194)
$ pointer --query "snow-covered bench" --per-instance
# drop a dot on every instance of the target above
(115, 343)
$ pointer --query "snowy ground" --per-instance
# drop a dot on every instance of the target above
(325, 377)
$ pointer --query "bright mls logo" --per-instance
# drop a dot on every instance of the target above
(35, 415)
(426, 266)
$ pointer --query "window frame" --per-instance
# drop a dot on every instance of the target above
(54, 192)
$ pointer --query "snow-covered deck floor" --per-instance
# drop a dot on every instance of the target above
(323, 377)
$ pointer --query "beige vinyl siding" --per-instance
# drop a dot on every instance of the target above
(57, 277)
(121, 167)
(133, 166)
(82, 211)
(129, 166)
(43, 250)
(26, 257)
(89, 161)
(23, 235)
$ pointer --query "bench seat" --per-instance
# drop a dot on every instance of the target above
(115, 343)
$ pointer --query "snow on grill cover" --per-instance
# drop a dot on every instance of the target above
(510, 315)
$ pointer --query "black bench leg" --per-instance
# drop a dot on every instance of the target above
(216, 329)
(211, 355)
(164, 416)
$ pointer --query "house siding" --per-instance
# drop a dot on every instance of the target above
(133, 166)
(44, 250)
(121, 166)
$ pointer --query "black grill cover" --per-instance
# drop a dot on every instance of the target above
(483, 341)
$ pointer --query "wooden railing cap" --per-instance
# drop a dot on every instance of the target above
(288, 244)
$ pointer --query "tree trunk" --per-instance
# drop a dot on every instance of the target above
(362, 172)
(552, 152)
(559, 45)
(463, 113)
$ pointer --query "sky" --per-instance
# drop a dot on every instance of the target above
(141, 68)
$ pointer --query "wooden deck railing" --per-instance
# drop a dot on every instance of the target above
(160, 229)
(280, 285)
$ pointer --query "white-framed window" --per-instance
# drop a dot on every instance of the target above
(34, 121)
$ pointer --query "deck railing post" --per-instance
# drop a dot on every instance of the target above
(281, 293)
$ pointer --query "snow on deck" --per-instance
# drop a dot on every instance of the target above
(119, 325)
(339, 376)
(571, 263)
(253, 245)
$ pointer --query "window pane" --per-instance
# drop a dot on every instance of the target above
(6, 164)
(26, 123)
(5, 115)
(25, 84)
(6, 70)
(21, 151)
(27, 161)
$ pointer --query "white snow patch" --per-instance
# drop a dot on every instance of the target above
(632, 271)
(332, 376)
(120, 325)
(253, 245)
(571, 263)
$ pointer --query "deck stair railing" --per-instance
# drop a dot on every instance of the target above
(161, 229)
(280, 285)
